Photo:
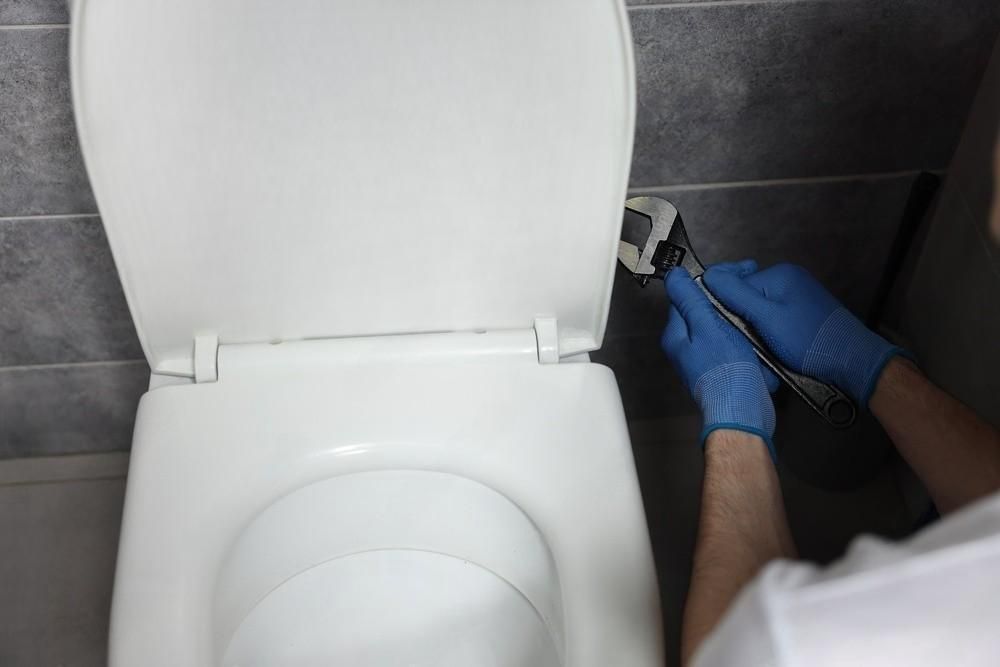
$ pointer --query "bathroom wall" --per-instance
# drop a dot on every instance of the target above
(781, 129)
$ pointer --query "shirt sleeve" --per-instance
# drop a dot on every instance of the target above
(746, 633)
(929, 600)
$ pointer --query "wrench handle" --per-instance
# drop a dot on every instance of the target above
(829, 402)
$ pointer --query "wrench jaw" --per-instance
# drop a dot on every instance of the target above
(666, 256)
(628, 255)
(654, 241)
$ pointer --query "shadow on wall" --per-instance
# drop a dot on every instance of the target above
(950, 313)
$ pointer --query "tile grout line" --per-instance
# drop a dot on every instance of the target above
(42, 216)
(673, 187)
(37, 26)
(705, 3)
(631, 8)
(805, 180)
(634, 335)
(70, 365)
(72, 467)
(64, 480)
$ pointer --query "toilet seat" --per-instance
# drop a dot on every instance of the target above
(394, 608)
(210, 460)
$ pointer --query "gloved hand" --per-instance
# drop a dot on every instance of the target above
(716, 363)
(803, 324)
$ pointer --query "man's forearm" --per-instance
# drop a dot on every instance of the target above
(742, 527)
(954, 452)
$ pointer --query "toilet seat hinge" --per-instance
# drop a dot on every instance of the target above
(547, 337)
(206, 358)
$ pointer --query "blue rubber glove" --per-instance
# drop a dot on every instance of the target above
(803, 324)
(717, 364)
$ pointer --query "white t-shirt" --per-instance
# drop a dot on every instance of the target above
(933, 599)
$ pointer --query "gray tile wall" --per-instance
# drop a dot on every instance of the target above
(71, 368)
(782, 129)
(41, 170)
(33, 12)
(766, 90)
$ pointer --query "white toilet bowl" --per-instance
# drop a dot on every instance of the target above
(503, 491)
(367, 246)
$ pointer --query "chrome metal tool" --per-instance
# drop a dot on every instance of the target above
(654, 241)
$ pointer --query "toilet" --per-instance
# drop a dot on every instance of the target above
(368, 246)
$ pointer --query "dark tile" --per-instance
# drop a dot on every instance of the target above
(69, 409)
(635, 309)
(649, 386)
(33, 12)
(951, 316)
(835, 460)
(57, 563)
(41, 170)
(748, 91)
(840, 230)
(823, 523)
(670, 474)
(60, 298)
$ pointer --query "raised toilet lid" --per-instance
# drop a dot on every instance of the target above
(277, 171)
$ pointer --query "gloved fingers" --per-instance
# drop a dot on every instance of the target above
(770, 379)
(691, 302)
(675, 335)
(737, 292)
(676, 343)
(742, 268)
(777, 281)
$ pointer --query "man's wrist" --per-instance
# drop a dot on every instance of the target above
(896, 373)
(734, 440)
(734, 396)
(887, 355)
(850, 355)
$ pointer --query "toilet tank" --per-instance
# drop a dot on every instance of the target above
(315, 169)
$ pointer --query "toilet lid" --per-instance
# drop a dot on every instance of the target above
(278, 171)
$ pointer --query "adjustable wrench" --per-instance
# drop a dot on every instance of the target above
(654, 241)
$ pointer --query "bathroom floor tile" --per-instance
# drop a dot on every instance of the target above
(58, 542)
